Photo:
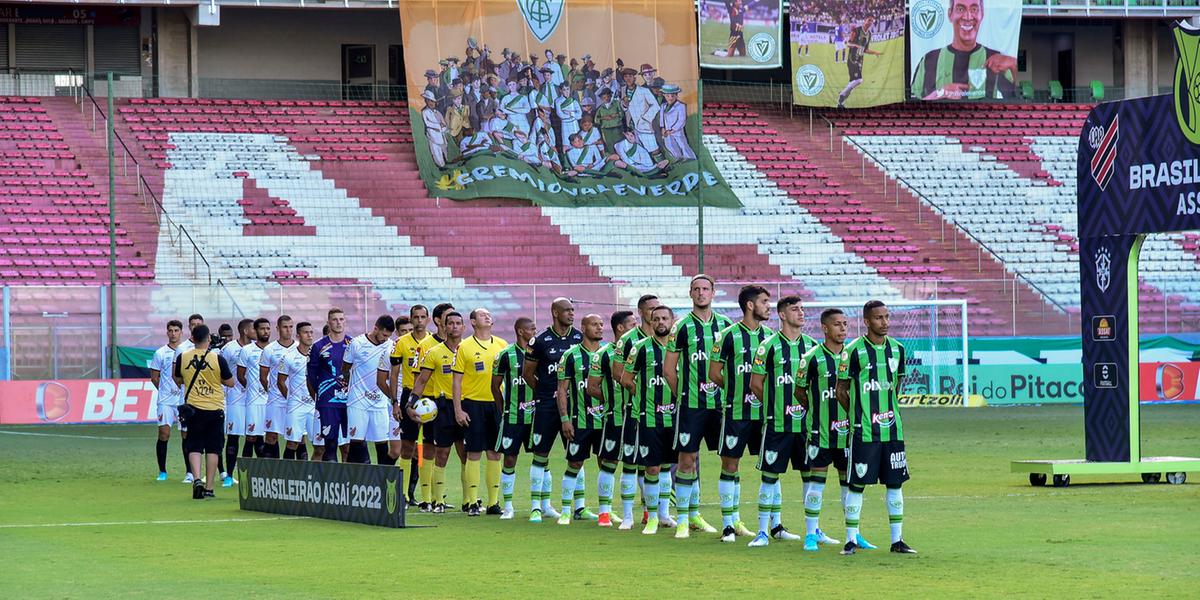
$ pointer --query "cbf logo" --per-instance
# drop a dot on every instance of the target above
(542, 16)
(927, 18)
(1187, 82)
(762, 47)
(810, 80)
(1103, 268)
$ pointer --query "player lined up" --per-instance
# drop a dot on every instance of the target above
(641, 404)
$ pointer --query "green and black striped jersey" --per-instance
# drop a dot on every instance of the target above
(734, 349)
(615, 396)
(652, 401)
(625, 344)
(692, 339)
(874, 372)
(518, 396)
(826, 422)
(777, 360)
(585, 411)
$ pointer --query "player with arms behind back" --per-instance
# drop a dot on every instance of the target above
(699, 399)
(868, 386)
(772, 379)
(730, 367)
(825, 422)
(584, 417)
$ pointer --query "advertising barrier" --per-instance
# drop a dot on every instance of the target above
(367, 494)
(78, 401)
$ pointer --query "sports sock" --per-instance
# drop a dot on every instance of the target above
(651, 495)
(247, 449)
(776, 504)
(895, 508)
(508, 480)
(220, 462)
(845, 489)
(737, 498)
(547, 487)
(683, 492)
(302, 452)
(381, 454)
(628, 492)
(425, 474)
(604, 486)
(853, 508)
(231, 453)
(471, 495)
(766, 499)
(725, 490)
(812, 506)
(414, 476)
(277, 449)
(492, 470)
(289, 454)
(694, 504)
(666, 489)
(439, 484)
(160, 451)
(187, 468)
(465, 481)
(536, 472)
(568, 487)
(259, 446)
(358, 452)
(580, 491)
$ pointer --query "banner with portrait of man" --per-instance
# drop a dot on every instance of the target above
(561, 102)
(741, 34)
(847, 54)
(964, 49)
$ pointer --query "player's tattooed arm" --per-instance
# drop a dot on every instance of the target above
(756, 385)
(716, 370)
(241, 375)
(595, 388)
(264, 376)
(671, 372)
(801, 393)
(842, 393)
(384, 383)
(560, 398)
(281, 384)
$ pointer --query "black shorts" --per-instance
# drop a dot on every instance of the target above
(512, 438)
(629, 442)
(855, 70)
(333, 424)
(547, 427)
(654, 446)
(410, 430)
(481, 433)
(610, 441)
(695, 424)
(876, 462)
(446, 430)
(206, 431)
(779, 449)
(817, 457)
(585, 444)
(739, 436)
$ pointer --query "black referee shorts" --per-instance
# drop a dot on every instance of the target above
(481, 433)
(446, 430)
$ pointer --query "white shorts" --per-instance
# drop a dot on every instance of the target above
(256, 419)
(277, 419)
(839, 46)
(235, 419)
(370, 424)
(303, 421)
(168, 415)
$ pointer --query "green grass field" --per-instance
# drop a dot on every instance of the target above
(883, 76)
(82, 517)
(715, 35)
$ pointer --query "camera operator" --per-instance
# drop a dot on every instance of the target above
(201, 372)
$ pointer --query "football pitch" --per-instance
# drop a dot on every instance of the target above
(715, 36)
(80, 516)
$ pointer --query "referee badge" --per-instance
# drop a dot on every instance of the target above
(479, 366)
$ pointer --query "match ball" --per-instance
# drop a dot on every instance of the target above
(426, 410)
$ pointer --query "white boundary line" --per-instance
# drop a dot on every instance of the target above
(165, 522)
(65, 435)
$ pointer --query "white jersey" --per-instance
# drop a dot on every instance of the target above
(169, 393)
(295, 366)
(272, 359)
(231, 352)
(255, 394)
(364, 355)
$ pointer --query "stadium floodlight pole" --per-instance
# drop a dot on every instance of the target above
(112, 236)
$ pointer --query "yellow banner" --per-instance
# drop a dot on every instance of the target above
(499, 89)
(941, 400)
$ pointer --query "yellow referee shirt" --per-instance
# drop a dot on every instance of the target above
(440, 360)
(474, 362)
(408, 353)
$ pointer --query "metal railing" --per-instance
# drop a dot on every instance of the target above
(176, 232)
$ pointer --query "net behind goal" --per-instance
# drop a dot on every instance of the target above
(934, 334)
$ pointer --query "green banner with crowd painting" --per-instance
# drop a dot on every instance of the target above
(533, 100)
